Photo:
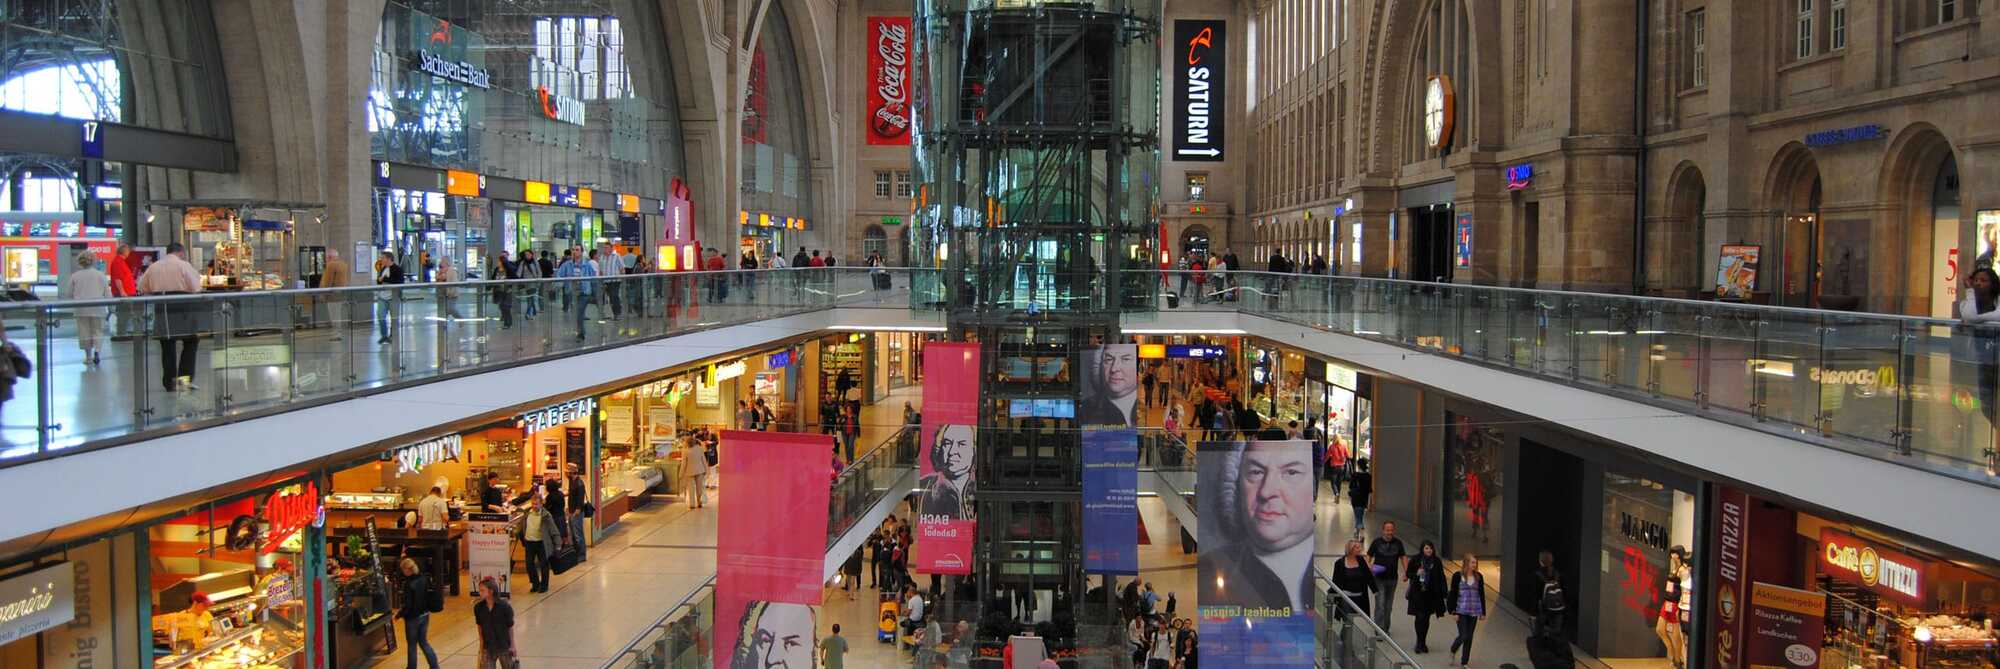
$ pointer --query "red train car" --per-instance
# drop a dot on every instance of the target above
(51, 234)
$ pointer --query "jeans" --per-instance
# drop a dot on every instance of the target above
(1385, 601)
(582, 302)
(173, 366)
(1423, 632)
(1360, 518)
(611, 292)
(505, 302)
(386, 321)
(1466, 625)
(537, 553)
(416, 635)
(576, 533)
(492, 660)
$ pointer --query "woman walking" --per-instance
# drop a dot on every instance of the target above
(696, 465)
(1353, 577)
(495, 619)
(1426, 592)
(1468, 602)
(416, 615)
(87, 283)
(1360, 485)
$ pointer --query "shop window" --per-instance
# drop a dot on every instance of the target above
(230, 581)
(1648, 531)
(883, 179)
(905, 184)
(1197, 186)
(1697, 41)
(875, 242)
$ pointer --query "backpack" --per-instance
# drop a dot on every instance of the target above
(1552, 596)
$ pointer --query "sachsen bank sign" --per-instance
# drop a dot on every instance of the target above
(1199, 59)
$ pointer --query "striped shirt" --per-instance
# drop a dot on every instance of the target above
(1471, 602)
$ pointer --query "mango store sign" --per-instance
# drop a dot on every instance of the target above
(37, 601)
(415, 457)
(548, 417)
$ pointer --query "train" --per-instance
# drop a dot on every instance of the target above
(51, 235)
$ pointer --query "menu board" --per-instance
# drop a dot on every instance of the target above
(618, 424)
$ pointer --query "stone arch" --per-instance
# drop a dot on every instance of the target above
(1917, 160)
(1792, 182)
(1792, 196)
(1388, 62)
(812, 47)
(1677, 237)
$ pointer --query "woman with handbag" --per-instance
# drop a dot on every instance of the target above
(495, 619)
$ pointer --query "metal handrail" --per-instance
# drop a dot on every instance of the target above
(665, 619)
(1375, 632)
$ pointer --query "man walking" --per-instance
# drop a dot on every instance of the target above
(172, 275)
(334, 275)
(580, 510)
(585, 269)
(611, 266)
(1390, 556)
(833, 650)
(717, 289)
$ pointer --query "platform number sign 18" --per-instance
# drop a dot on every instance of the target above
(93, 139)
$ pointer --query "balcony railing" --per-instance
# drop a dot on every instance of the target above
(1914, 391)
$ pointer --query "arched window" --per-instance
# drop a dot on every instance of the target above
(1443, 51)
(874, 242)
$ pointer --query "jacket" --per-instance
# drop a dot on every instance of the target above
(496, 625)
(389, 274)
(89, 284)
(1426, 594)
(416, 597)
(550, 535)
(1359, 486)
(554, 500)
(335, 273)
(1458, 581)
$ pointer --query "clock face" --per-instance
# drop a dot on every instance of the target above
(1434, 111)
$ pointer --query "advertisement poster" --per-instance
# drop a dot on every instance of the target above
(1786, 628)
(889, 80)
(1988, 223)
(1461, 242)
(1200, 71)
(487, 545)
(949, 436)
(1111, 501)
(1736, 274)
(1110, 386)
(770, 548)
(1260, 493)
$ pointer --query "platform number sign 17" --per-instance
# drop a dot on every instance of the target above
(93, 139)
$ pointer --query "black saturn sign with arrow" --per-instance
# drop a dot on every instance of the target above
(1199, 61)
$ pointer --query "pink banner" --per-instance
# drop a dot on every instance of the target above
(950, 432)
(770, 546)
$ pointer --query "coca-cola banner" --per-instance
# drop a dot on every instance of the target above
(889, 80)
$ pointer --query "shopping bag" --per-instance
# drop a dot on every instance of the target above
(564, 559)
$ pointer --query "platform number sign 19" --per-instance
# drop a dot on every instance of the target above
(93, 139)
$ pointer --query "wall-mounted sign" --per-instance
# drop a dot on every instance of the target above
(464, 184)
(1342, 375)
(559, 107)
(563, 195)
(382, 173)
(1890, 573)
(1520, 176)
(729, 371)
(93, 139)
(1836, 137)
(628, 204)
(779, 360)
(1440, 111)
(535, 192)
(1461, 242)
(1200, 74)
(288, 511)
(1152, 351)
(889, 64)
(1790, 629)
(892, 220)
(415, 457)
(37, 601)
(548, 417)
(455, 70)
(1196, 352)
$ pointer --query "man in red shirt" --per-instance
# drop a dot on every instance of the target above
(716, 287)
(123, 284)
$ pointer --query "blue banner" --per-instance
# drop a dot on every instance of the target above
(1111, 501)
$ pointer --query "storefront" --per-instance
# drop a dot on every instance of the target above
(845, 361)
(1339, 398)
(898, 362)
(235, 584)
(77, 607)
(244, 245)
(1856, 595)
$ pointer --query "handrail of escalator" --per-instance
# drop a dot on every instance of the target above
(1350, 639)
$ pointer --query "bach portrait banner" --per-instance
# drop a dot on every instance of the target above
(950, 434)
(1255, 562)
(1111, 501)
(770, 546)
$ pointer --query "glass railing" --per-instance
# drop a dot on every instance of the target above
(1349, 639)
(1916, 391)
(240, 353)
(679, 637)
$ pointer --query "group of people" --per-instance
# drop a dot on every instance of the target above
(611, 299)
(1158, 639)
(175, 326)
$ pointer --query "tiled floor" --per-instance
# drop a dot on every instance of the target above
(650, 560)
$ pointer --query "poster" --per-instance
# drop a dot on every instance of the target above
(1111, 386)
(770, 548)
(889, 80)
(487, 554)
(1260, 494)
(1111, 501)
(1988, 223)
(1786, 628)
(950, 430)
(1729, 535)
(1736, 274)
(1461, 242)
(618, 427)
